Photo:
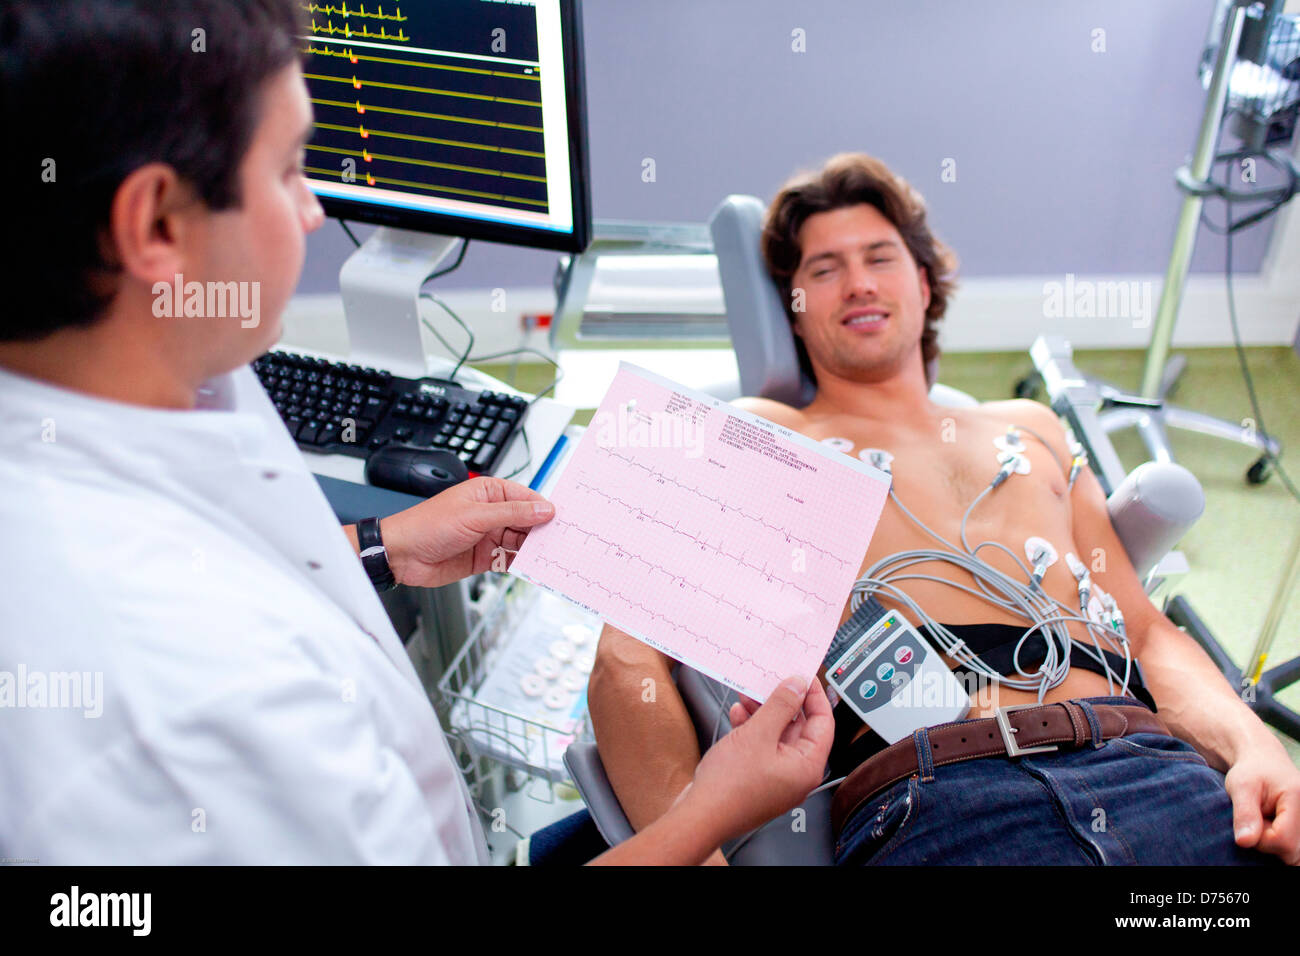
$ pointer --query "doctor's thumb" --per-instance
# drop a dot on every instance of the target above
(509, 514)
(781, 707)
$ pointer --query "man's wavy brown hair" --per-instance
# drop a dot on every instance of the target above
(848, 179)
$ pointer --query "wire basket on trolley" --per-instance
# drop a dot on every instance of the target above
(515, 694)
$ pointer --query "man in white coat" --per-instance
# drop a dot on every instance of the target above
(194, 668)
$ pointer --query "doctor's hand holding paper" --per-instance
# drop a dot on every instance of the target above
(771, 760)
(470, 528)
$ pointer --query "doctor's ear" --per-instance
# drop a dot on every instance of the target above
(151, 220)
(925, 288)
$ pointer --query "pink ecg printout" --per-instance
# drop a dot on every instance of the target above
(725, 541)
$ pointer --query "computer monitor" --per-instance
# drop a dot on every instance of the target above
(440, 119)
(454, 116)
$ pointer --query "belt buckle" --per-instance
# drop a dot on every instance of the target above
(1009, 732)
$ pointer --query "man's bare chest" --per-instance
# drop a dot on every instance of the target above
(940, 469)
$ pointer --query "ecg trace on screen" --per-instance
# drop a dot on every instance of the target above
(413, 96)
(726, 541)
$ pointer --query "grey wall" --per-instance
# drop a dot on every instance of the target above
(1065, 157)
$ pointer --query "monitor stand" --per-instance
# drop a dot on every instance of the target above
(381, 284)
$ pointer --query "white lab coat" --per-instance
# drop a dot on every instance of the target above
(256, 705)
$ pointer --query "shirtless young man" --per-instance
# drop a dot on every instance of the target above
(851, 245)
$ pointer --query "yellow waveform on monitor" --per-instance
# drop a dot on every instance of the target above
(364, 33)
(432, 91)
(372, 180)
(367, 156)
(352, 57)
(360, 12)
(320, 101)
(434, 140)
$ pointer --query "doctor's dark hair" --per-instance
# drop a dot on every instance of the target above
(849, 179)
(91, 90)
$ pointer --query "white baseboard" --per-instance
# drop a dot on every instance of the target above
(1008, 314)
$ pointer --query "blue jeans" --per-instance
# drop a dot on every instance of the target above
(1140, 799)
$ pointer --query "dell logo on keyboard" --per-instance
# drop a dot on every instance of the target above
(434, 389)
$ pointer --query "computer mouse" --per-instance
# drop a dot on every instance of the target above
(416, 471)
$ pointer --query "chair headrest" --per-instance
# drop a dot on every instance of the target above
(760, 330)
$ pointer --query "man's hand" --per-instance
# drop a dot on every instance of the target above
(773, 758)
(1265, 789)
(470, 528)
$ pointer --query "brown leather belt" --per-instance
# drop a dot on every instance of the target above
(1011, 732)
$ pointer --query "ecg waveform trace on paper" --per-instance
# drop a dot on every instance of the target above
(632, 603)
(733, 551)
(701, 541)
(718, 501)
(683, 581)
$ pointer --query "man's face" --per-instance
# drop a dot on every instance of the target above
(263, 240)
(864, 295)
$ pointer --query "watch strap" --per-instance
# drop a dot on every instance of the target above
(374, 556)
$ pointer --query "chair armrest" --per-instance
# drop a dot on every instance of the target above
(707, 702)
(588, 773)
(792, 839)
(1152, 509)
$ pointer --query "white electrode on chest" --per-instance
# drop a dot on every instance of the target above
(838, 444)
(1041, 556)
(1010, 442)
(1019, 463)
(878, 458)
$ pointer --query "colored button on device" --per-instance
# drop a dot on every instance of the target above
(868, 689)
(885, 671)
(903, 655)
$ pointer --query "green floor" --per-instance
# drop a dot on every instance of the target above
(1236, 549)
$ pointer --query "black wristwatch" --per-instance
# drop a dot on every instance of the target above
(374, 557)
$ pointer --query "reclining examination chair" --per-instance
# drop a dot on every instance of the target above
(769, 368)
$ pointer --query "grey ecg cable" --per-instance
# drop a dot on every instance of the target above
(1046, 616)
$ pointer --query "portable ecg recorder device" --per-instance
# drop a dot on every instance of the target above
(890, 675)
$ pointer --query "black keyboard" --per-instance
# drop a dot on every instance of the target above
(332, 407)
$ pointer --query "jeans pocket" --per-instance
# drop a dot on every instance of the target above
(880, 824)
(1162, 746)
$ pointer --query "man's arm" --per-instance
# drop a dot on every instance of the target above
(643, 730)
(646, 739)
(1195, 699)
